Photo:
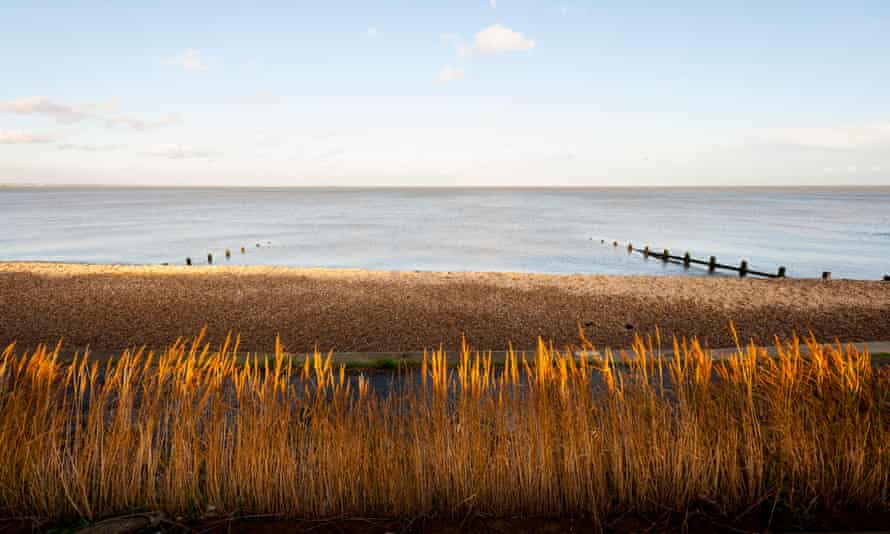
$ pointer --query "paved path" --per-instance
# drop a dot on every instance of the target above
(383, 358)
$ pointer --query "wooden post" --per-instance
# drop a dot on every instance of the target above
(665, 255)
(712, 264)
(603, 241)
(228, 253)
(209, 257)
(646, 251)
(826, 275)
(188, 261)
(614, 243)
(630, 248)
(687, 259)
(781, 273)
(743, 268)
(242, 250)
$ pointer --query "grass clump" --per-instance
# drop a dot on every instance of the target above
(192, 429)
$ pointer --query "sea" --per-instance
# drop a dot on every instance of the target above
(845, 231)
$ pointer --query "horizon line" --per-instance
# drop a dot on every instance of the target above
(432, 187)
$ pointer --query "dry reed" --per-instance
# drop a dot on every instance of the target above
(192, 429)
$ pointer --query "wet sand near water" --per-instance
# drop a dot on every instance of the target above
(115, 306)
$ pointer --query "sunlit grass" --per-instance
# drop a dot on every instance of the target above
(195, 428)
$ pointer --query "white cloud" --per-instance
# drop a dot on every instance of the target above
(180, 152)
(188, 60)
(450, 74)
(498, 39)
(493, 3)
(19, 137)
(373, 32)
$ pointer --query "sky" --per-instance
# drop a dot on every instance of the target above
(445, 93)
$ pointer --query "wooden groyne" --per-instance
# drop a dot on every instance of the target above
(686, 260)
(227, 253)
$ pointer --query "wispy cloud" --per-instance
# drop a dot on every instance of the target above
(450, 74)
(497, 39)
(133, 123)
(187, 59)
(20, 137)
(845, 137)
(183, 152)
(41, 105)
(96, 111)
(333, 153)
(854, 169)
(269, 139)
(88, 148)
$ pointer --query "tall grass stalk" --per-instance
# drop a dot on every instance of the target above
(560, 434)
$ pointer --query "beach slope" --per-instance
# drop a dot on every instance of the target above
(112, 307)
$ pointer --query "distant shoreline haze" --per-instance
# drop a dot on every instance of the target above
(15, 185)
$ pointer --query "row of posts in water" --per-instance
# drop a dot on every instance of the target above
(712, 263)
(228, 253)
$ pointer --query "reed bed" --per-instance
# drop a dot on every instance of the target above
(195, 428)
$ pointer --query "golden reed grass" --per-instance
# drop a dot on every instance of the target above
(559, 434)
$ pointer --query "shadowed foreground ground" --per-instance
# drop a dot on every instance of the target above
(110, 307)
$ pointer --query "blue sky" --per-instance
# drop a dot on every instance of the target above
(481, 92)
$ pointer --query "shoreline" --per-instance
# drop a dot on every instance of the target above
(357, 310)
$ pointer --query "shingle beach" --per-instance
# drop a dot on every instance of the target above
(113, 306)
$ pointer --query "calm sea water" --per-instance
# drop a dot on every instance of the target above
(846, 231)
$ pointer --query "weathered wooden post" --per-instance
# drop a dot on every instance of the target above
(826, 275)
(712, 264)
(228, 253)
(209, 257)
(687, 259)
(781, 273)
(188, 261)
(664, 255)
(743, 268)
(242, 250)
(630, 248)
(646, 251)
